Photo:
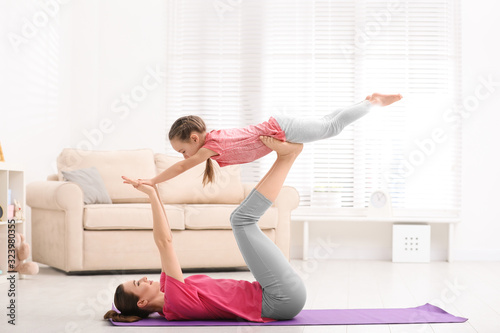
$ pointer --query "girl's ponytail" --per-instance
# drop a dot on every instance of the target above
(208, 176)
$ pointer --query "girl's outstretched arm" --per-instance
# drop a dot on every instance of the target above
(202, 155)
(162, 233)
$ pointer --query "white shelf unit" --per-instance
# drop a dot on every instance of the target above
(307, 215)
(11, 177)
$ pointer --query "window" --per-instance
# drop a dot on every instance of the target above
(237, 63)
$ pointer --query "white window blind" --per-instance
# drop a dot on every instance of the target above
(237, 63)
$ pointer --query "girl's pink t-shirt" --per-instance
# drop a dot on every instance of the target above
(203, 298)
(242, 145)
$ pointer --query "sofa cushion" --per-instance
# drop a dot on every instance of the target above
(218, 217)
(128, 216)
(187, 188)
(111, 166)
(90, 181)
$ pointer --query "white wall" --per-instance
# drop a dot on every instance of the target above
(105, 50)
(478, 236)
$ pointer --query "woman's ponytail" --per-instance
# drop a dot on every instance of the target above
(115, 316)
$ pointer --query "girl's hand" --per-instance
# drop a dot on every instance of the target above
(146, 182)
(138, 185)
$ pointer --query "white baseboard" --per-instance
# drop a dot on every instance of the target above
(346, 253)
(354, 253)
(477, 254)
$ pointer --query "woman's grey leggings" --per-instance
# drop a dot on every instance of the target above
(283, 291)
(301, 130)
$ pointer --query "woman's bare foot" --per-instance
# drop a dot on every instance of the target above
(280, 147)
(382, 99)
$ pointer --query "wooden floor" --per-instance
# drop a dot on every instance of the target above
(54, 302)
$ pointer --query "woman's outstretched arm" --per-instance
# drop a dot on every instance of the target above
(162, 233)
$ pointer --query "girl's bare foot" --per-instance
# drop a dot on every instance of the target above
(280, 147)
(382, 99)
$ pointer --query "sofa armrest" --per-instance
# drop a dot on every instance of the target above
(56, 224)
(288, 199)
(247, 188)
(52, 177)
(54, 195)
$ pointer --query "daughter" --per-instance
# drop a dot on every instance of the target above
(189, 137)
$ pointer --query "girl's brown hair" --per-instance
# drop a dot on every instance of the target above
(181, 130)
(127, 304)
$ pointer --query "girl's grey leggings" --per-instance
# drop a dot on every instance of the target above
(300, 130)
(283, 291)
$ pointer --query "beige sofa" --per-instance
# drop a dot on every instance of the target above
(74, 237)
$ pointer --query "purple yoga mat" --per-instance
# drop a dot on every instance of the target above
(422, 314)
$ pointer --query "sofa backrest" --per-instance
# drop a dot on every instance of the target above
(188, 188)
(111, 166)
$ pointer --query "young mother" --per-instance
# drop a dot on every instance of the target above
(278, 293)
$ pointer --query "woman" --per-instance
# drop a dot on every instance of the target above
(278, 293)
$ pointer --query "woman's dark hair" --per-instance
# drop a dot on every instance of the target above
(126, 303)
(181, 130)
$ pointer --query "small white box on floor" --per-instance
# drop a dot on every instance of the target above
(411, 242)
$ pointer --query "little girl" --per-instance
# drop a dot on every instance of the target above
(189, 137)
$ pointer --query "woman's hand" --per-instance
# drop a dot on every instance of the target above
(138, 185)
